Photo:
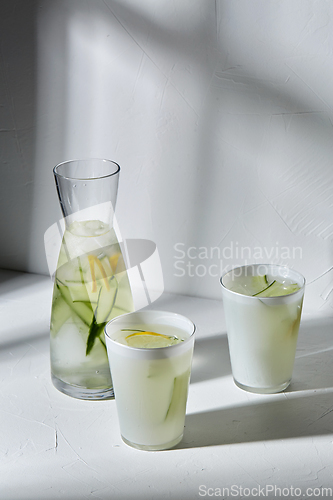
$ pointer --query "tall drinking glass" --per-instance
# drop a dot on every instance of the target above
(91, 285)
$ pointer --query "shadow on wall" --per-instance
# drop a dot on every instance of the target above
(18, 77)
(82, 99)
(223, 166)
(205, 180)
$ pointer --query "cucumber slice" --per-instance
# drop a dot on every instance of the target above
(95, 331)
(78, 291)
(106, 300)
(71, 272)
(276, 289)
(260, 281)
(124, 302)
(266, 290)
(179, 395)
(81, 309)
(257, 284)
(61, 312)
(250, 285)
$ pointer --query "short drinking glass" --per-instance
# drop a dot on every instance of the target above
(262, 305)
(150, 355)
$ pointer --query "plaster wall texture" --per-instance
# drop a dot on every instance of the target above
(220, 114)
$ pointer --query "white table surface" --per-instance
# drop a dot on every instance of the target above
(54, 446)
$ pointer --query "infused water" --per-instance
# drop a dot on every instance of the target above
(91, 287)
(151, 370)
(263, 313)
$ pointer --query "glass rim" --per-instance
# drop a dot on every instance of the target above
(81, 160)
(149, 349)
(280, 266)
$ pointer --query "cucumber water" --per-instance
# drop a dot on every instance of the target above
(263, 313)
(91, 287)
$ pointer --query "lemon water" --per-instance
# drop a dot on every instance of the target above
(263, 324)
(91, 286)
(151, 393)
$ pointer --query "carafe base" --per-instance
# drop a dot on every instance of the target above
(82, 392)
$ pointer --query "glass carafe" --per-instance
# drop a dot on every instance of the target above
(91, 284)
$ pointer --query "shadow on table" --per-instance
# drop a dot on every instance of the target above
(290, 417)
(313, 363)
(210, 359)
(12, 281)
(312, 369)
(9, 280)
(290, 414)
(25, 308)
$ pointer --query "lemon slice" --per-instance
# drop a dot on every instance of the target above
(150, 340)
(114, 261)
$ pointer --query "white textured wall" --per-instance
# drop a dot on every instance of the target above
(219, 112)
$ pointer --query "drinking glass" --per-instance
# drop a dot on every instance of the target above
(262, 331)
(151, 384)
